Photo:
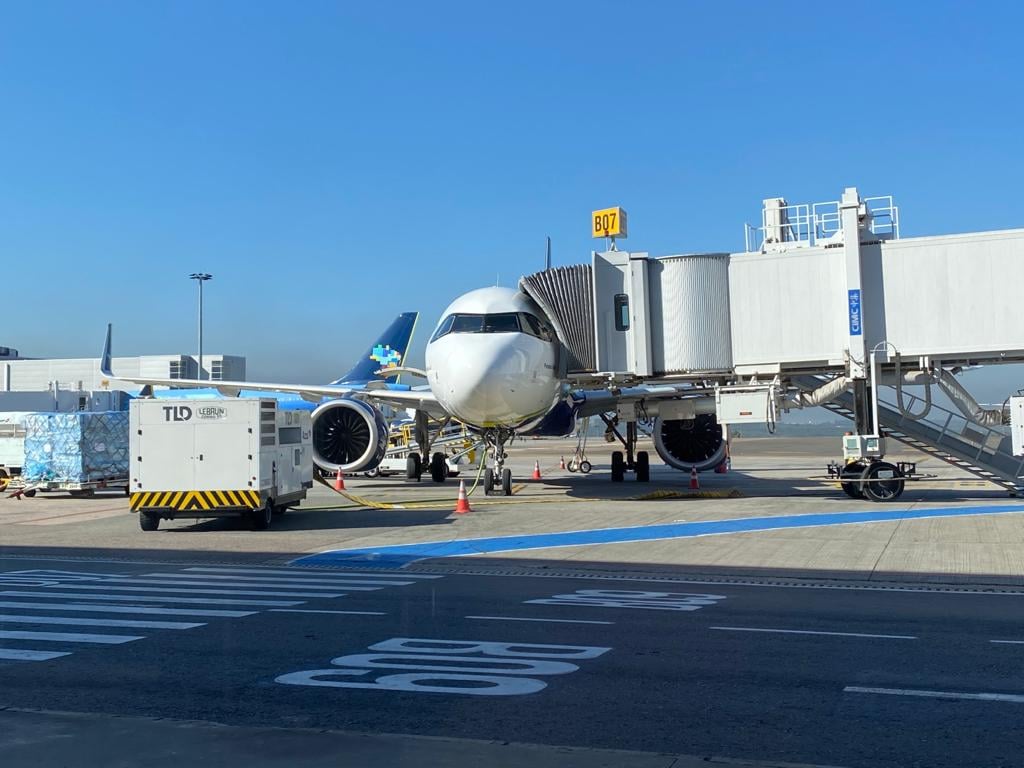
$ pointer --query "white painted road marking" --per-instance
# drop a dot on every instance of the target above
(173, 580)
(309, 610)
(153, 598)
(100, 608)
(68, 637)
(86, 622)
(454, 668)
(1008, 642)
(553, 621)
(631, 598)
(198, 591)
(17, 654)
(812, 632)
(1009, 697)
(284, 581)
(319, 572)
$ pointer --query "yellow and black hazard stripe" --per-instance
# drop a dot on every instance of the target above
(195, 500)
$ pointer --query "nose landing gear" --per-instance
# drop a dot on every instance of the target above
(497, 479)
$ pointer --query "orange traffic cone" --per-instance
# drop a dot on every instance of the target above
(694, 482)
(462, 505)
(561, 463)
(339, 480)
(536, 470)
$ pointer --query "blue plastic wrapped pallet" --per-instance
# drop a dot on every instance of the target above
(79, 447)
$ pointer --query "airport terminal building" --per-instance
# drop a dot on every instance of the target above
(25, 375)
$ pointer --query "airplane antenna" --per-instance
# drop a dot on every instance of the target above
(547, 258)
(497, 279)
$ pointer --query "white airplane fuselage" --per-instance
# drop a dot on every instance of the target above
(492, 361)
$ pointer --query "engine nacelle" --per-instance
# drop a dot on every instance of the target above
(687, 444)
(349, 435)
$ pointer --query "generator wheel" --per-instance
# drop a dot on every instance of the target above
(149, 521)
(259, 519)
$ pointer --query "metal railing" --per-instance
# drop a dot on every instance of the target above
(804, 226)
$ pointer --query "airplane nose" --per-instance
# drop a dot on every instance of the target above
(488, 384)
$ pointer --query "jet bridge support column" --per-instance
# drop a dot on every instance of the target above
(850, 208)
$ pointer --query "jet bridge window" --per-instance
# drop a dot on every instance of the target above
(621, 312)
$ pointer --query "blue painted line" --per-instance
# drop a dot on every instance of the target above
(400, 555)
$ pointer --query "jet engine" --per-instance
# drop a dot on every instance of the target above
(690, 443)
(348, 434)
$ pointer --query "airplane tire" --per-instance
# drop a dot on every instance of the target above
(488, 481)
(413, 467)
(643, 467)
(618, 467)
(438, 468)
(506, 482)
(585, 466)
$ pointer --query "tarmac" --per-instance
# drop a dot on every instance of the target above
(773, 481)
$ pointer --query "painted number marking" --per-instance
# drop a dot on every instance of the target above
(467, 667)
(628, 598)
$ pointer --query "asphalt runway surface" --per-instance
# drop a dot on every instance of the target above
(662, 670)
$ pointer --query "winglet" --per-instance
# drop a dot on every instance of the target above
(105, 360)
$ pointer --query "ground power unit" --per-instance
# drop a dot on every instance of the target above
(213, 458)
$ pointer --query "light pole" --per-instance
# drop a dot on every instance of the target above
(200, 277)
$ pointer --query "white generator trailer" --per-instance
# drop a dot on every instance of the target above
(194, 458)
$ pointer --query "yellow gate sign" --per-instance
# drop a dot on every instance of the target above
(608, 222)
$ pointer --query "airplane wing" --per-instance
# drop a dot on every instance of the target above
(420, 398)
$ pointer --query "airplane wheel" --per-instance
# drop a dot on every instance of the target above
(618, 467)
(148, 521)
(413, 467)
(888, 486)
(854, 469)
(643, 467)
(585, 466)
(438, 468)
(488, 481)
(506, 482)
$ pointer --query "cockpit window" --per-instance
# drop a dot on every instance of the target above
(499, 322)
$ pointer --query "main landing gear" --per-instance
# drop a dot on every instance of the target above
(634, 461)
(497, 479)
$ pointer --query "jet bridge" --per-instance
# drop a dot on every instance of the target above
(826, 304)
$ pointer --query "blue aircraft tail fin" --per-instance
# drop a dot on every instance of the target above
(387, 352)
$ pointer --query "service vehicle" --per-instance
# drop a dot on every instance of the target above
(249, 457)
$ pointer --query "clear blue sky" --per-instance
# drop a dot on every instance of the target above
(335, 163)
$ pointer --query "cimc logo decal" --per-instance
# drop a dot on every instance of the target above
(466, 667)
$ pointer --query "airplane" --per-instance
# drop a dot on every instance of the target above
(495, 363)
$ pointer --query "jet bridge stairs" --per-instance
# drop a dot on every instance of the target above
(983, 451)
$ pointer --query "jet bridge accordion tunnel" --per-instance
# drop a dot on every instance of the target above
(817, 288)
